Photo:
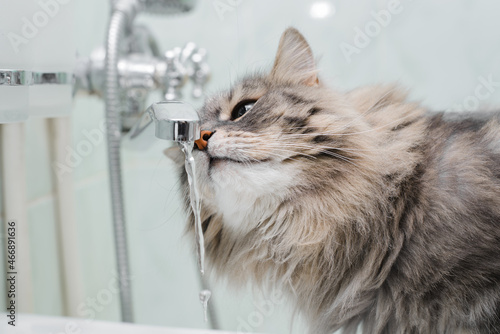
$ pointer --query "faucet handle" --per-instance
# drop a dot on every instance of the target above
(181, 64)
(200, 73)
(187, 52)
(175, 76)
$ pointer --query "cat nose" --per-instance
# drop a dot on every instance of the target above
(202, 143)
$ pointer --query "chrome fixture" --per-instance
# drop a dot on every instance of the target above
(163, 7)
(16, 78)
(124, 72)
(176, 121)
(29, 78)
(144, 70)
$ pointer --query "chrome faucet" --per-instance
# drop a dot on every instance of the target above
(144, 69)
(176, 121)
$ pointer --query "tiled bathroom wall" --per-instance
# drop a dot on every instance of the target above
(440, 50)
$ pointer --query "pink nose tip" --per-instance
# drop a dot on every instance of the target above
(203, 141)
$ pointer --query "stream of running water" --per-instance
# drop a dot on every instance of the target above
(194, 196)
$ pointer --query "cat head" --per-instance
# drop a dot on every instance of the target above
(277, 137)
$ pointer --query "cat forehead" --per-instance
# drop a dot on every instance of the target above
(253, 87)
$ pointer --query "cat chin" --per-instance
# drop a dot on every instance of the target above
(246, 194)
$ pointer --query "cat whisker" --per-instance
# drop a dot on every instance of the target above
(357, 152)
(330, 133)
(265, 148)
(292, 152)
(248, 153)
(273, 154)
(339, 156)
(315, 147)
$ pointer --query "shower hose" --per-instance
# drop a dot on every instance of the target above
(116, 30)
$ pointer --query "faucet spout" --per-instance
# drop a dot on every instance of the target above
(175, 121)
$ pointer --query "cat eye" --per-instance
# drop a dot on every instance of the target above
(242, 108)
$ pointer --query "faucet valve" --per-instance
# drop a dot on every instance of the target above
(142, 70)
(200, 73)
(174, 77)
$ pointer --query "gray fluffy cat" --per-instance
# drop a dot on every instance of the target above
(365, 208)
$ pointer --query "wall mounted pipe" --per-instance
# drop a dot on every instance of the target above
(64, 202)
(14, 193)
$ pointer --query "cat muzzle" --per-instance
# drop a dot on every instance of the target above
(202, 143)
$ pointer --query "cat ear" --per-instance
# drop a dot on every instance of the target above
(294, 61)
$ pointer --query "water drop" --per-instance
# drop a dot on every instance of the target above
(204, 297)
